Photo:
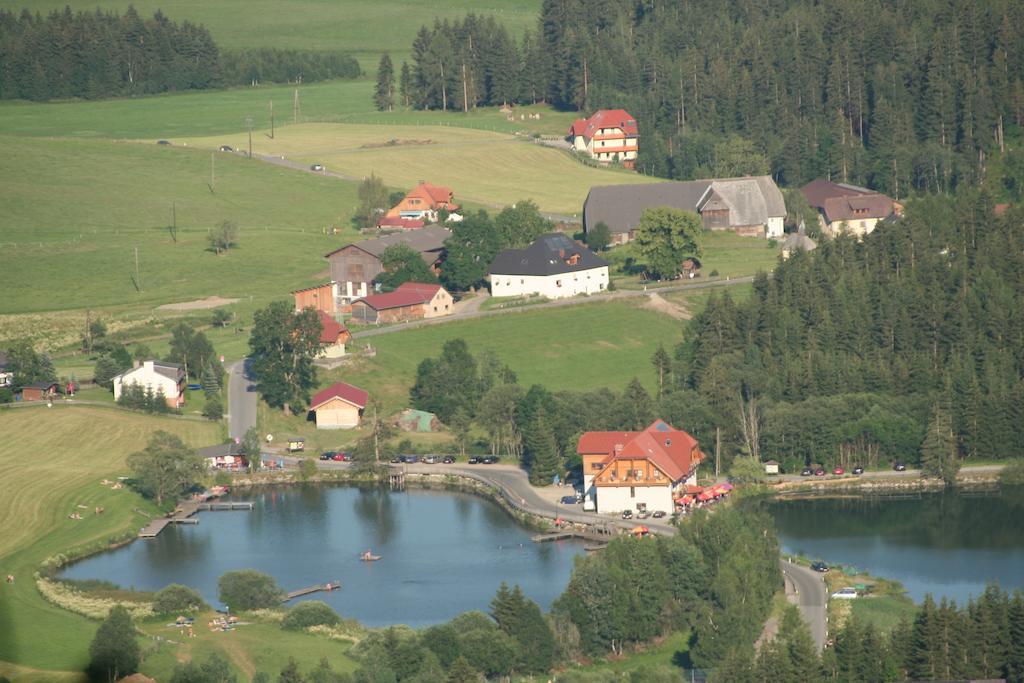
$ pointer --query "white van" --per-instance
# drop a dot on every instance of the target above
(589, 505)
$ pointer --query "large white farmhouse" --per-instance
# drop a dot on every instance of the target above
(156, 376)
(554, 266)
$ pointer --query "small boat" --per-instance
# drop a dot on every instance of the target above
(369, 557)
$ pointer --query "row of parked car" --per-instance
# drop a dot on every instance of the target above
(643, 514)
(337, 456)
(428, 459)
(839, 471)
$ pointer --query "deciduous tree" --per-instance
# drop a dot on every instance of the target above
(665, 237)
(114, 652)
(284, 344)
(166, 468)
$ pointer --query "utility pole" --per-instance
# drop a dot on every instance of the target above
(213, 171)
(295, 107)
(271, 119)
(248, 124)
(138, 278)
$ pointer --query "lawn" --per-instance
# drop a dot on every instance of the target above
(74, 212)
(364, 29)
(480, 166)
(53, 461)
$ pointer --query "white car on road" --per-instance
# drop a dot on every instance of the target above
(848, 593)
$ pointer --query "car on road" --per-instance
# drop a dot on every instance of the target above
(474, 460)
(395, 460)
(328, 455)
(899, 467)
(163, 142)
(448, 459)
(819, 566)
(658, 514)
(858, 470)
(627, 514)
(410, 459)
(341, 457)
(316, 167)
(431, 459)
(643, 514)
(838, 471)
(820, 472)
(568, 500)
(489, 460)
(848, 593)
(806, 472)
(226, 148)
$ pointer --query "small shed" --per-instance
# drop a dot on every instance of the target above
(40, 391)
(339, 406)
(295, 443)
(225, 456)
(771, 467)
(412, 420)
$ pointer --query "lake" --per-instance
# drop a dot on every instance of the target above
(947, 544)
(443, 552)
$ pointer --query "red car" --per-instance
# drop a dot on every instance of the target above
(819, 472)
(838, 471)
(339, 457)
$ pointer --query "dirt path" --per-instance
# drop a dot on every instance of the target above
(198, 304)
(656, 303)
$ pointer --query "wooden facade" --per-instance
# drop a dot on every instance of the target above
(319, 298)
(337, 413)
(353, 269)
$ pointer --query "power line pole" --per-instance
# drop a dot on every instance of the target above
(248, 123)
(295, 107)
(271, 119)
(213, 171)
(138, 278)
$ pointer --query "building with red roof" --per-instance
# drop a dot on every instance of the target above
(411, 301)
(638, 470)
(333, 337)
(609, 135)
(339, 406)
(400, 223)
(424, 201)
(848, 208)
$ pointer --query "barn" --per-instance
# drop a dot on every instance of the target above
(339, 406)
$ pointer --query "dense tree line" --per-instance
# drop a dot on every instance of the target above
(852, 354)
(103, 54)
(905, 97)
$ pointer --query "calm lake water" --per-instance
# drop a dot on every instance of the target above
(947, 544)
(443, 552)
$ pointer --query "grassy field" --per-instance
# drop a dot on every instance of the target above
(74, 211)
(480, 166)
(53, 461)
(578, 348)
(364, 29)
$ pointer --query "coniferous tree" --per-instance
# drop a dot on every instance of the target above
(114, 652)
(384, 94)
(938, 450)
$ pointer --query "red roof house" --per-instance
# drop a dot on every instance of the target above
(424, 201)
(609, 135)
(333, 337)
(638, 470)
(339, 406)
(411, 301)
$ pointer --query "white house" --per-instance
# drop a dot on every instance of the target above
(554, 267)
(6, 376)
(638, 470)
(156, 376)
(607, 136)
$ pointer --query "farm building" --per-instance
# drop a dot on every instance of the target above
(554, 266)
(40, 391)
(609, 135)
(354, 266)
(6, 376)
(333, 337)
(411, 301)
(797, 241)
(423, 202)
(412, 420)
(155, 376)
(638, 470)
(339, 406)
(752, 206)
(319, 297)
(225, 456)
(842, 207)
(399, 223)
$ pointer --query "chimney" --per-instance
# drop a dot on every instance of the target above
(135, 364)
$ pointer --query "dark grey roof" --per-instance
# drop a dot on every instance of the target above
(750, 201)
(796, 241)
(550, 254)
(168, 370)
(220, 450)
(41, 385)
(424, 240)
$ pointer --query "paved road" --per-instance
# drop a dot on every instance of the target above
(574, 301)
(887, 474)
(811, 599)
(241, 399)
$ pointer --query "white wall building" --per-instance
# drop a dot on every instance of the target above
(554, 267)
(156, 376)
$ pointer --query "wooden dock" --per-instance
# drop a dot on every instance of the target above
(329, 586)
(183, 514)
(597, 537)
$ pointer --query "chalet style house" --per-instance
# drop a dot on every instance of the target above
(333, 337)
(638, 470)
(608, 136)
(848, 208)
(422, 203)
(156, 376)
(410, 301)
(554, 266)
(752, 206)
(354, 266)
(6, 376)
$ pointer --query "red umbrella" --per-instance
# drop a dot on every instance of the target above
(703, 497)
(686, 500)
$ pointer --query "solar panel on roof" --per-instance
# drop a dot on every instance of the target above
(662, 427)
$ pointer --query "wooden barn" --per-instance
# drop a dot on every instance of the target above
(319, 297)
(339, 406)
(411, 301)
(40, 391)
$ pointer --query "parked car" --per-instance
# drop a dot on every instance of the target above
(858, 470)
(627, 514)
(474, 460)
(847, 593)
(806, 472)
(569, 500)
(316, 167)
(838, 471)
(410, 459)
(431, 459)
(226, 148)
(489, 460)
(396, 459)
(643, 514)
(348, 457)
(327, 455)
(819, 566)
(448, 459)
(338, 457)
(658, 514)
(899, 467)
(820, 472)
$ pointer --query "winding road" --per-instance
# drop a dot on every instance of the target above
(811, 599)
(241, 399)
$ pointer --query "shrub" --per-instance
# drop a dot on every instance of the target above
(714, 273)
(6, 395)
(213, 409)
(247, 589)
(307, 469)
(176, 598)
(1012, 474)
(310, 613)
(746, 471)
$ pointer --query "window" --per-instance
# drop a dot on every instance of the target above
(595, 465)
(558, 283)
(632, 492)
